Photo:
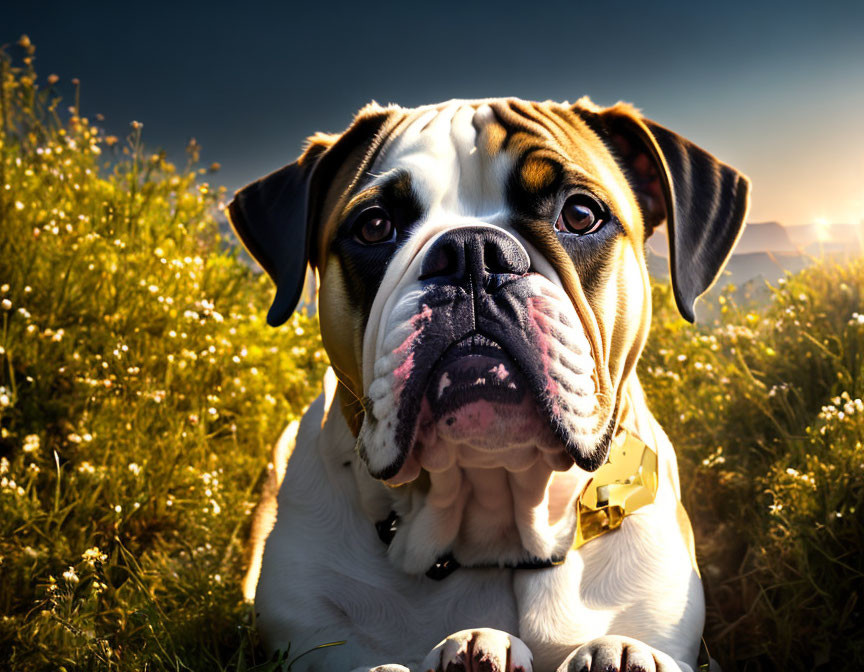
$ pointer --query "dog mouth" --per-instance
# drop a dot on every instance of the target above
(482, 385)
(476, 408)
(473, 369)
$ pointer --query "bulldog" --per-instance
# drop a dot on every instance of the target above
(481, 485)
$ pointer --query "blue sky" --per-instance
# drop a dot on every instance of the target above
(775, 89)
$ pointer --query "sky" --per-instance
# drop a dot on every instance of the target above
(775, 89)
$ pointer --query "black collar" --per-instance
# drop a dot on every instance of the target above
(445, 565)
(627, 482)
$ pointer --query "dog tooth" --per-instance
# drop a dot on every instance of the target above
(443, 384)
(500, 371)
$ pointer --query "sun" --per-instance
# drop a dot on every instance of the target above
(823, 229)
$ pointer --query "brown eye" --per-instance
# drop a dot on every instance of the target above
(580, 215)
(374, 226)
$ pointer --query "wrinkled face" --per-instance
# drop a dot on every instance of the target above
(483, 289)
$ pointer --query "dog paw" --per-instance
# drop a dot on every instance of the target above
(382, 668)
(618, 654)
(481, 650)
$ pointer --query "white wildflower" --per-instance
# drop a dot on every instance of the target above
(86, 468)
(93, 555)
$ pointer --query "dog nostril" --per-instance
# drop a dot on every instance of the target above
(493, 260)
(503, 257)
(442, 260)
(490, 258)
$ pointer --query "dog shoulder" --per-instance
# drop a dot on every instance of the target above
(264, 516)
(639, 579)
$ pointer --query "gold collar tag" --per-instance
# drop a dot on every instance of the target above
(626, 483)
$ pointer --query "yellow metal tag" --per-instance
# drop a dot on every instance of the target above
(626, 483)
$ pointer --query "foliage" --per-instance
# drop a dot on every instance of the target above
(764, 409)
(139, 392)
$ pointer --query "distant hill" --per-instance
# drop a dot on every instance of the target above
(767, 250)
(742, 268)
(770, 266)
(750, 274)
(765, 237)
(757, 237)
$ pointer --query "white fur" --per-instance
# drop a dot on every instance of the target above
(325, 575)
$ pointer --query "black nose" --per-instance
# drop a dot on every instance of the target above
(480, 255)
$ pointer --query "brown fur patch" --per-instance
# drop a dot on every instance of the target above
(537, 174)
(494, 136)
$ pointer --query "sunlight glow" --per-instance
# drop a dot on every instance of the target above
(823, 233)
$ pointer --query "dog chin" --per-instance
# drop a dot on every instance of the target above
(484, 400)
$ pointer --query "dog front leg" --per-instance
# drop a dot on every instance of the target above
(482, 649)
(614, 653)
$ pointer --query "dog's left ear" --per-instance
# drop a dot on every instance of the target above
(703, 201)
(275, 217)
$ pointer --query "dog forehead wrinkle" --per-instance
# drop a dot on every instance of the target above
(462, 128)
(483, 115)
(440, 151)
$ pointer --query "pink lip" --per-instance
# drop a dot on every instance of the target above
(418, 323)
(539, 321)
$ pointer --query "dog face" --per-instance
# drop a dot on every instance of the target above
(483, 287)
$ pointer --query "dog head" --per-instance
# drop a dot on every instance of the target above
(483, 289)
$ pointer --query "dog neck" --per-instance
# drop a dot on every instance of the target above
(480, 515)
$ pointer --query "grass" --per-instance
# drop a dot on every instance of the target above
(764, 409)
(140, 391)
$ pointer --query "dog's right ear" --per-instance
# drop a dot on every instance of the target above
(270, 217)
(274, 216)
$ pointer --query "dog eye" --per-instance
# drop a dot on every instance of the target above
(374, 226)
(581, 215)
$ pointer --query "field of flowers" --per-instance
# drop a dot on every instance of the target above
(140, 392)
(765, 411)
